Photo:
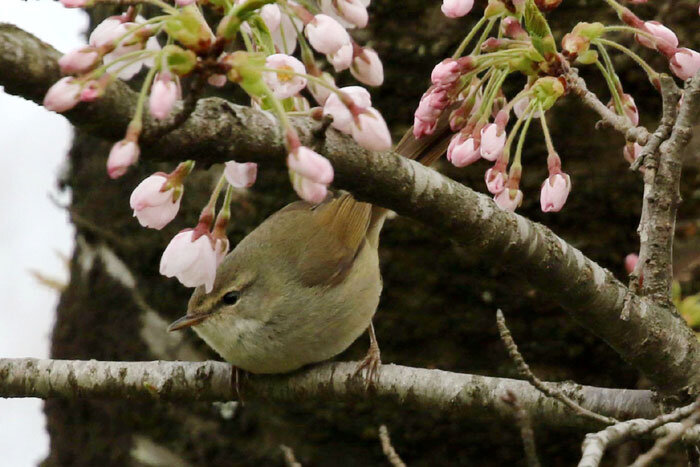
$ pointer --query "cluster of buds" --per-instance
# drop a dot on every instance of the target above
(267, 69)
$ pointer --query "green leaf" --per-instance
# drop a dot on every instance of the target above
(536, 25)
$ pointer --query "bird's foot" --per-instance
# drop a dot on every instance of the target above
(236, 375)
(371, 362)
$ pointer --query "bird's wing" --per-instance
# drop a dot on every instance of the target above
(336, 232)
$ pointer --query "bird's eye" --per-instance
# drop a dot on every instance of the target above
(230, 298)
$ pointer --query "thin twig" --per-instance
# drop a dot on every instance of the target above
(388, 448)
(289, 459)
(663, 444)
(595, 444)
(526, 373)
(526, 432)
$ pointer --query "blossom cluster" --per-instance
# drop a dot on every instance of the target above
(285, 45)
(513, 37)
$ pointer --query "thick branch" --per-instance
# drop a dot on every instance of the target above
(655, 340)
(471, 396)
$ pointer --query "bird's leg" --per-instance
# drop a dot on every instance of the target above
(372, 360)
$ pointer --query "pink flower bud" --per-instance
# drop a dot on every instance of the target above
(509, 199)
(108, 31)
(495, 180)
(445, 73)
(685, 63)
(491, 142)
(661, 34)
(193, 262)
(631, 151)
(240, 175)
(164, 94)
(353, 11)
(367, 68)
(631, 262)
(370, 131)
(63, 95)
(456, 8)
(74, 3)
(555, 190)
(285, 36)
(283, 83)
(342, 116)
(308, 190)
(92, 90)
(79, 61)
(342, 58)
(309, 164)
(153, 206)
(217, 80)
(463, 151)
(124, 154)
(326, 35)
(422, 128)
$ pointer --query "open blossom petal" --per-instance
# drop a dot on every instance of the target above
(310, 164)
(63, 95)
(272, 16)
(123, 154)
(353, 11)
(370, 131)
(326, 35)
(285, 36)
(107, 32)
(240, 175)
(456, 8)
(321, 93)
(153, 207)
(509, 199)
(342, 117)
(555, 191)
(685, 63)
(192, 262)
(283, 83)
(367, 68)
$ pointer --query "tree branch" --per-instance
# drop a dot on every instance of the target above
(472, 396)
(655, 340)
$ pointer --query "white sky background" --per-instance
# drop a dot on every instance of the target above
(33, 146)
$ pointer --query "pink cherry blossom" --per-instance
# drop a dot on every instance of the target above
(446, 72)
(342, 116)
(685, 63)
(193, 262)
(272, 16)
(153, 206)
(308, 190)
(107, 32)
(342, 58)
(285, 36)
(555, 191)
(353, 11)
(370, 131)
(660, 33)
(509, 199)
(631, 262)
(325, 34)
(367, 67)
(422, 128)
(310, 164)
(463, 151)
(134, 66)
(123, 155)
(521, 106)
(495, 180)
(283, 83)
(164, 93)
(456, 8)
(63, 95)
(78, 61)
(240, 175)
(74, 3)
(492, 142)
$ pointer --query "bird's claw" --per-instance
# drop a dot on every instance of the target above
(371, 363)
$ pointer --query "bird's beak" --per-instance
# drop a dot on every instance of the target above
(187, 321)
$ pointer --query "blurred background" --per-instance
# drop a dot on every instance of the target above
(35, 235)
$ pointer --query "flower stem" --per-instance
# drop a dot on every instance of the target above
(484, 35)
(460, 50)
(653, 75)
(611, 85)
(545, 130)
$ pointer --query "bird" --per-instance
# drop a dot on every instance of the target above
(303, 285)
